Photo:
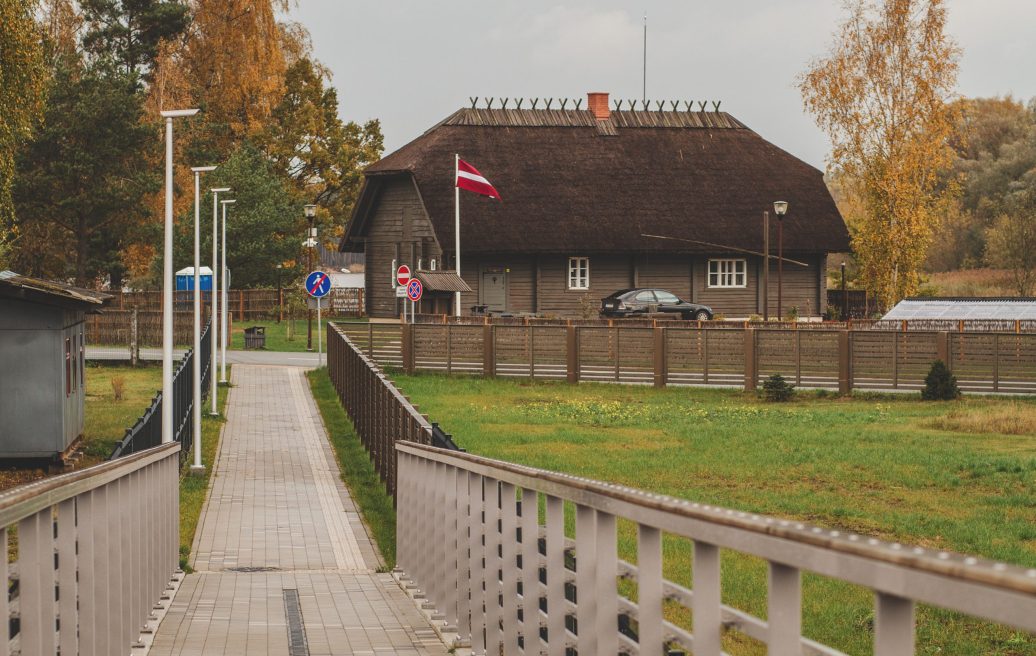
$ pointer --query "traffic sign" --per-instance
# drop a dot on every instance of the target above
(401, 292)
(318, 284)
(414, 290)
(402, 275)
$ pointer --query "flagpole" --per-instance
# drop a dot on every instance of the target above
(456, 207)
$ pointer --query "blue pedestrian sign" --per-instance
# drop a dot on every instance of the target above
(318, 284)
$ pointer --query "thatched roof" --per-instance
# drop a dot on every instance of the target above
(572, 183)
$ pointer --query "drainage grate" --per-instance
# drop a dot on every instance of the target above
(297, 645)
(252, 570)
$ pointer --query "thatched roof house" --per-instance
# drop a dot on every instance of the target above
(590, 184)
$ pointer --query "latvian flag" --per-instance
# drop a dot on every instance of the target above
(470, 179)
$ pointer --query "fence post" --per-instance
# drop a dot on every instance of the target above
(134, 343)
(845, 377)
(942, 347)
(488, 351)
(572, 349)
(241, 303)
(408, 348)
(751, 362)
(660, 357)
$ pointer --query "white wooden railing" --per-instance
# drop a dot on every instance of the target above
(464, 548)
(89, 554)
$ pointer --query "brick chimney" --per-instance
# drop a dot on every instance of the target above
(597, 103)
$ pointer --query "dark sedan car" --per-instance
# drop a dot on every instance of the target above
(630, 302)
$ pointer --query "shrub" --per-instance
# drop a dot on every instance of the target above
(792, 314)
(834, 313)
(755, 318)
(719, 317)
(940, 384)
(589, 307)
(777, 390)
(118, 387)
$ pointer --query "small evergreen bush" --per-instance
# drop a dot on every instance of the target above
(777, 390)
(940, 384)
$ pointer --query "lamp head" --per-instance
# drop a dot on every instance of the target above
(780, 208)
(219, 190)
(178, 113)
(227, 202)
(203, 169)
(311, 211)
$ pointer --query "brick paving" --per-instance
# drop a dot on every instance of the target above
(279, 518)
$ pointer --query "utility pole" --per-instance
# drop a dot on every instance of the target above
(311, 212)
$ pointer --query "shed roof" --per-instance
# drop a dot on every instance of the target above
(570, 182)
(49, 292)
(442, 281)
(963, 309)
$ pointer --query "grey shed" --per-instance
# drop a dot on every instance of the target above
(42, 357)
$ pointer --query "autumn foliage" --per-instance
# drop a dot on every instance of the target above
(883, 94)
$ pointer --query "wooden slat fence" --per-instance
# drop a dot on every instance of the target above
(244, 304)
(830, 359)
(140, 327)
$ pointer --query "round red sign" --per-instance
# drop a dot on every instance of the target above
(402, 275)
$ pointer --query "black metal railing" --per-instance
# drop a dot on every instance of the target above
(147, 431)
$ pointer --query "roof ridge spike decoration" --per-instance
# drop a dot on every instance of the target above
(631, 105)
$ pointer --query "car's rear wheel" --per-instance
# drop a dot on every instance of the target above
(702, 315)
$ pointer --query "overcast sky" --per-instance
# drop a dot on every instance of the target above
(411, 63)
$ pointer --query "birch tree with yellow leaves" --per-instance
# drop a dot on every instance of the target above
(884, 96)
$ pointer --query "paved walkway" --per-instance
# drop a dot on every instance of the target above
(279, 532)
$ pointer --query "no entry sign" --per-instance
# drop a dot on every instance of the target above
(402, 275)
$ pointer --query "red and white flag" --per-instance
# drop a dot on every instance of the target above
(470, 179)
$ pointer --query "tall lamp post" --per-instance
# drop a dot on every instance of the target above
(167, 277)
(311, 213)
(780, 208)
(216, 304)
(766, 266)
(223, 291)
(197, 467)
(280, 295)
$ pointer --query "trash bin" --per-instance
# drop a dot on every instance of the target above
(255, 337)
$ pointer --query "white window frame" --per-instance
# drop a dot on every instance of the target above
(578, 273)
(729, 273)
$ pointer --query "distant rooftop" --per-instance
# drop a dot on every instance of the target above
(963, 308)
(49, 292)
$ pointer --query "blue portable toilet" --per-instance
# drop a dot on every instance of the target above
(185, 279)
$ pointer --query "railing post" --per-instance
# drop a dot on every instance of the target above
(649, 589)
(555, 559)
(606, 593)
(845, 378)
(586, 579)
(509, 548)
(893, 626)
(659, 356)
(488, 351)
(751, 361)
(477, 579)
(572, 352)
(706, 601)
(530, 570)
(784, 614)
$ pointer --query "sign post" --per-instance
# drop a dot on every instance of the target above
(318, 285)
(414, 291)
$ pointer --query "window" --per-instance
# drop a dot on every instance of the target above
(666, 298)
(68, 367)
(727, 273)
(647, 296)
(579, 273)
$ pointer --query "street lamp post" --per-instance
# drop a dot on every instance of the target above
(167, 278)
(780, 208)
(766, 266)
(216, 304)
(280, 295)
(311, 212)
(223, 291)
(845, 297)
(197, 467)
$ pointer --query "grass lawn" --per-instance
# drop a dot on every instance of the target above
(280, 336)
(357, 471)
(958, 476)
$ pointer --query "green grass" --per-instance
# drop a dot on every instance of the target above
(106, 419)
(358, 473)
(277, 334)
(194, 488)
(935, 474)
